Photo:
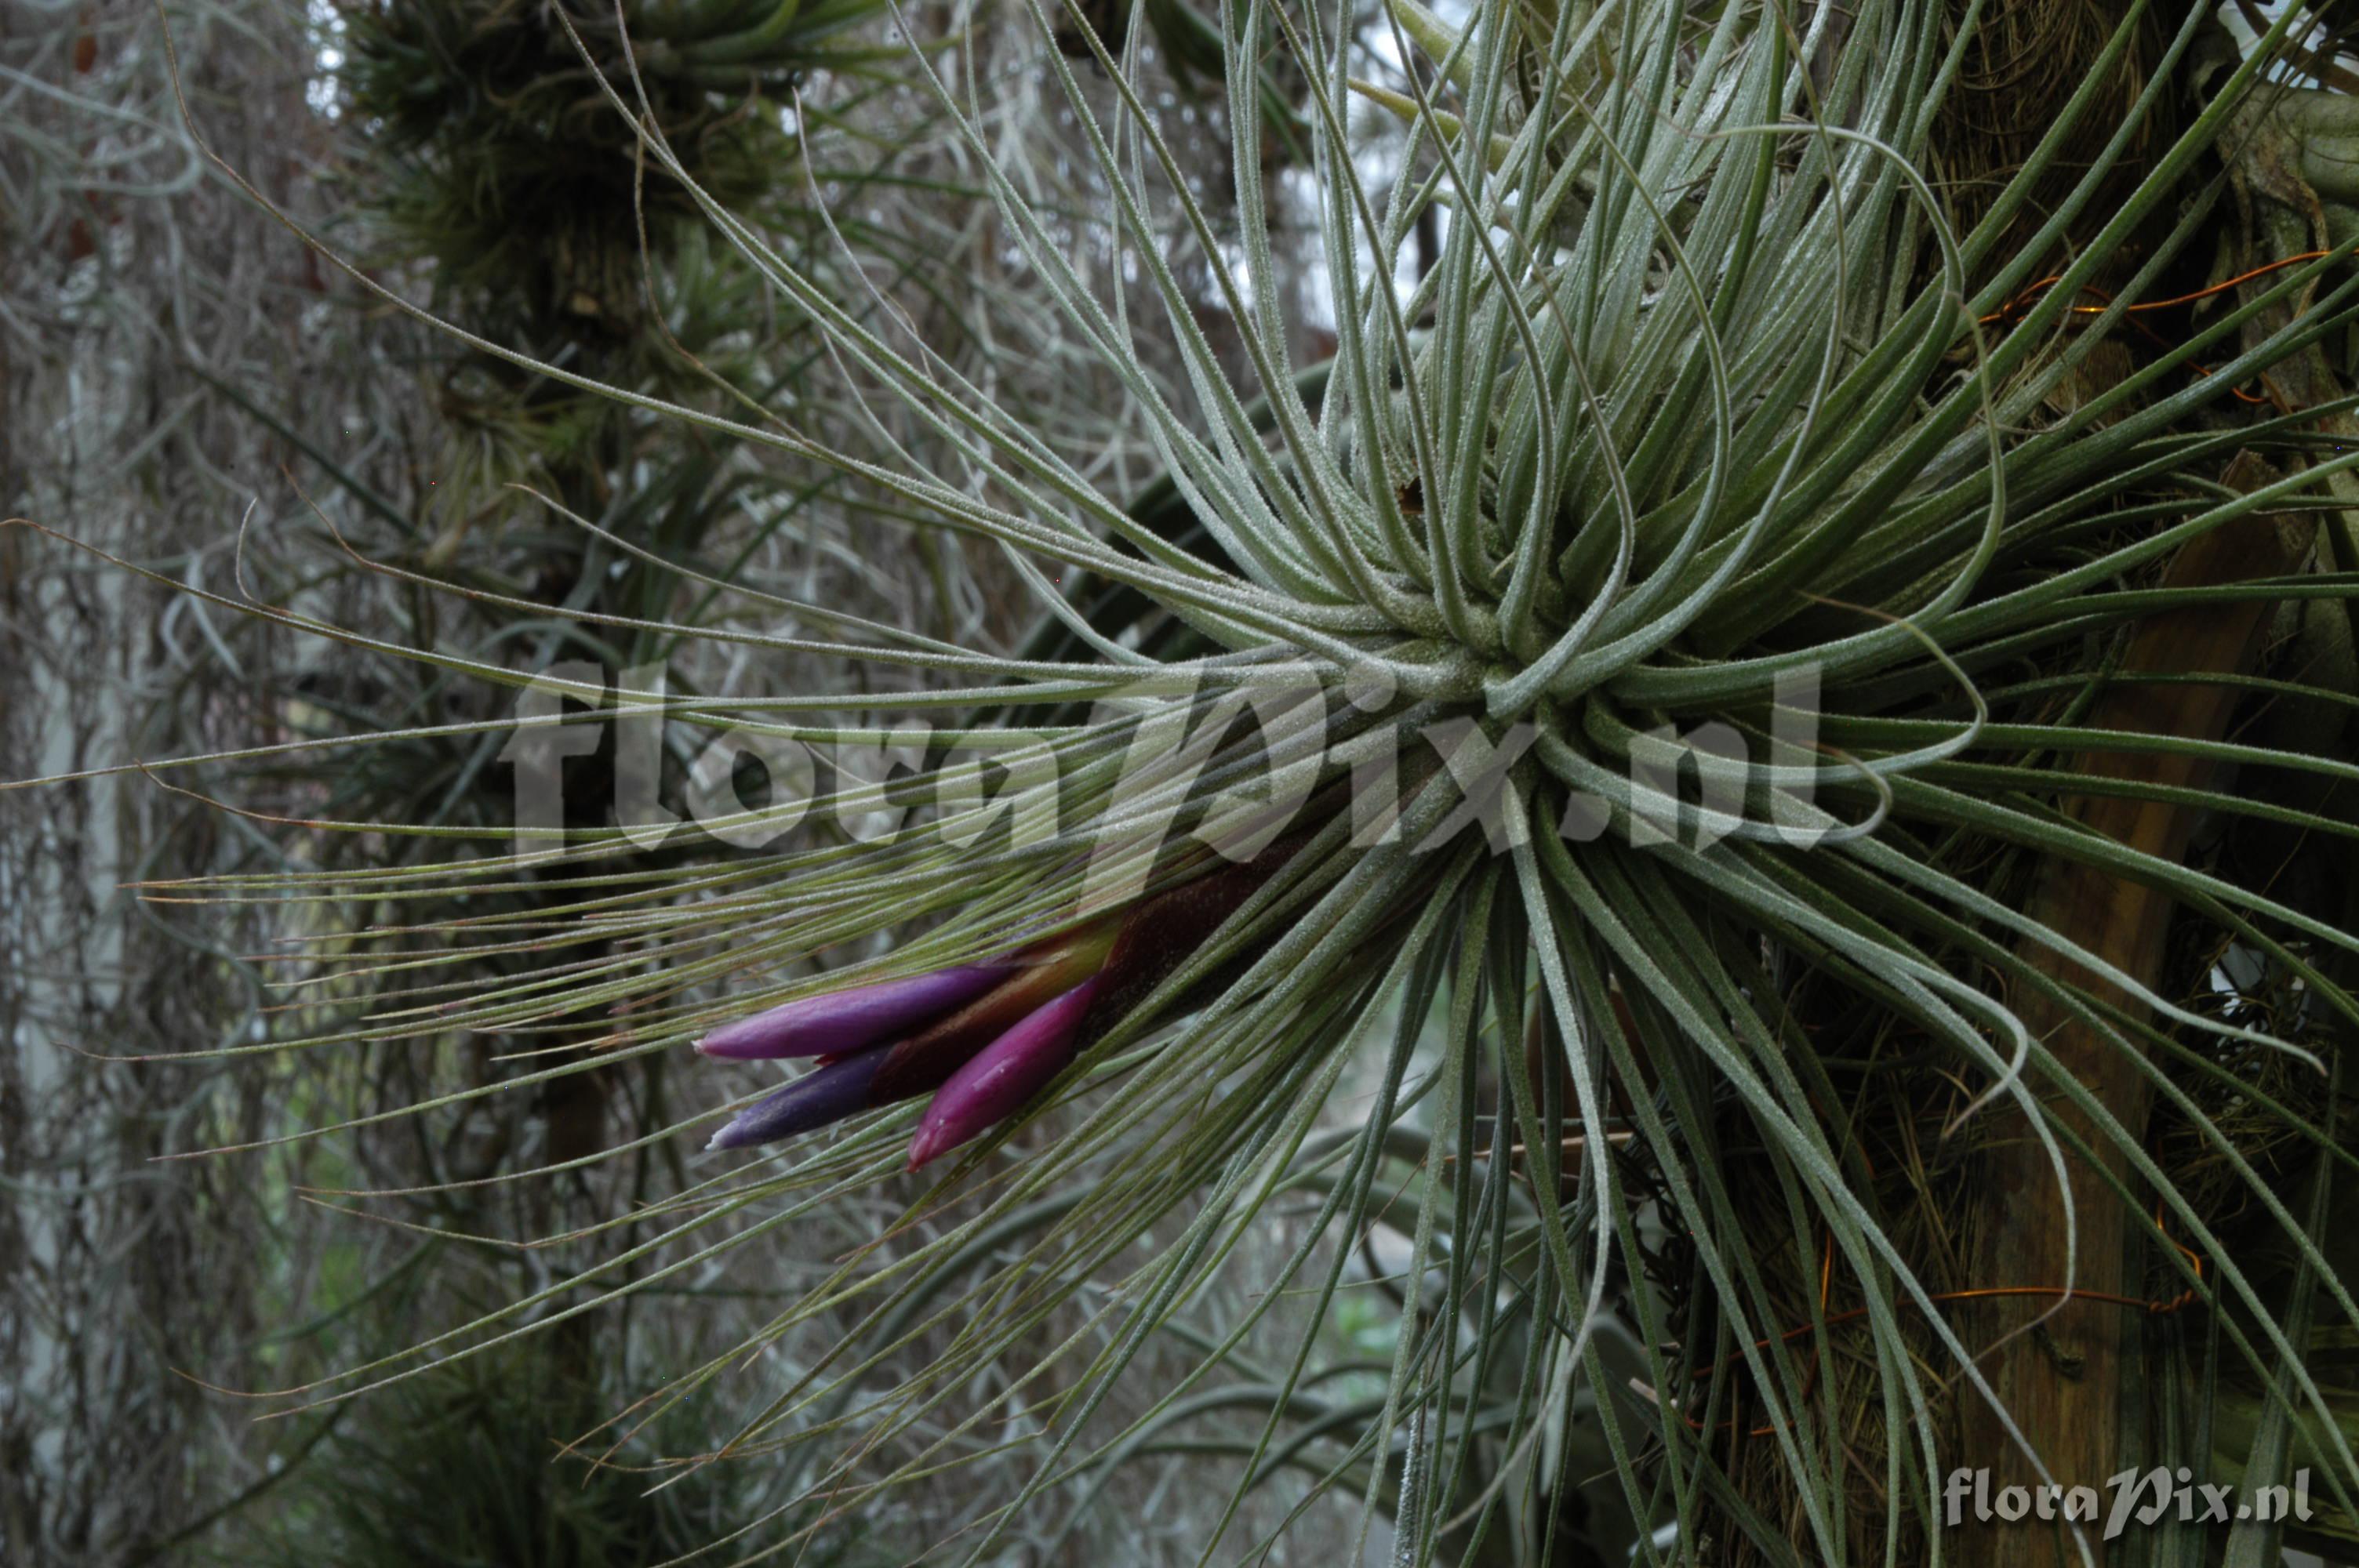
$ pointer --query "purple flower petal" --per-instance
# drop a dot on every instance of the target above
(1002, 1076)
(842, 1022)
(813, 1100)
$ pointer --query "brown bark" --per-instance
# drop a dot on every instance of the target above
(2064, 1380)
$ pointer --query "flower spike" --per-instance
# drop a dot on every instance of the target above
(1002, 1076)
(842, 1022)
(813, 1102)
(986, 1035)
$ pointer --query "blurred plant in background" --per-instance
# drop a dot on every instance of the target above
(495, 155)
(494, 166)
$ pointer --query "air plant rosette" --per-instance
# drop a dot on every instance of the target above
(1702, 418)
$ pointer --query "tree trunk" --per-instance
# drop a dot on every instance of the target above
(2064, 1380)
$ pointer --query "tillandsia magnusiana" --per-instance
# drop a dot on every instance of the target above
(1668, 408)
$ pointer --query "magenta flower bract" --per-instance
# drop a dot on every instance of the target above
(815, 1101)
(843, 1021)
(1002, 1076)
(981, 1038)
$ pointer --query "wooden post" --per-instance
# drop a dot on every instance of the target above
(2063, 1380)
